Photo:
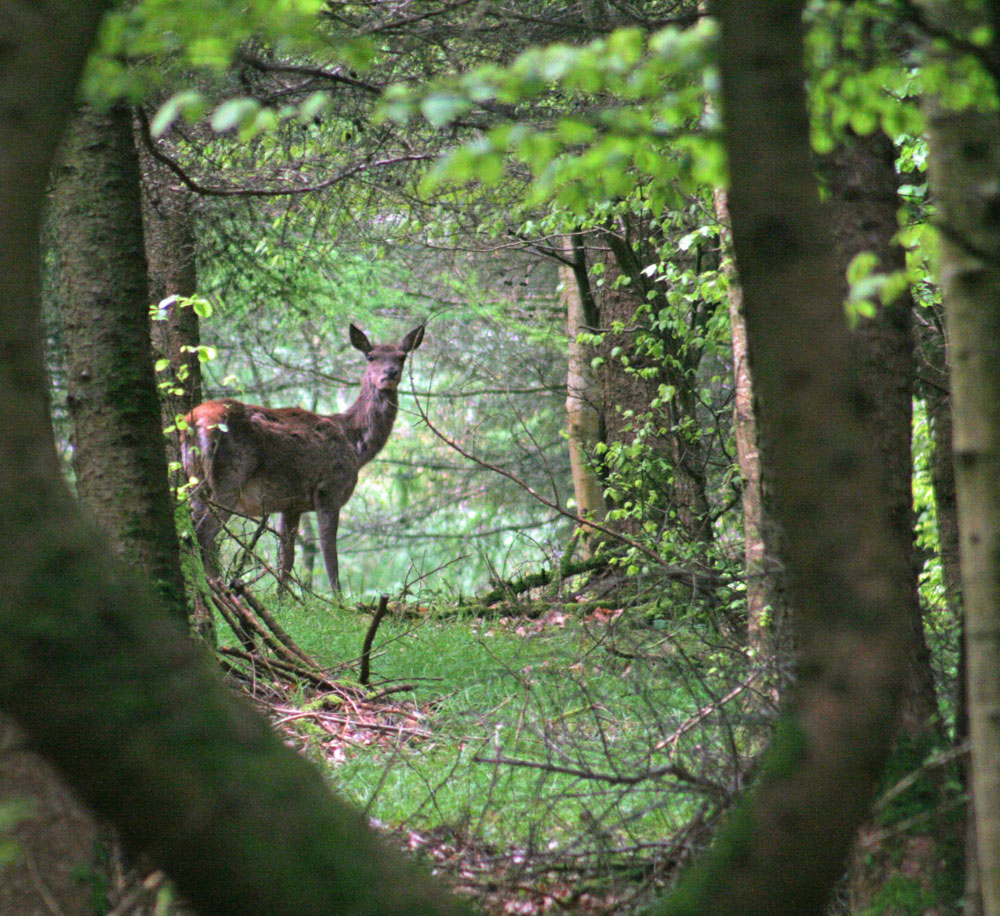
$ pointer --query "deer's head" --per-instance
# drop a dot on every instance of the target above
(385, 361)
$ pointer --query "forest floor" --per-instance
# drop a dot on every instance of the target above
(537, 754)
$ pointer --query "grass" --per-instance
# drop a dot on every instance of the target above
(585, 706)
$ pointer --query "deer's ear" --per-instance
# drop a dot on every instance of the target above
(359, 339)
(412, 340)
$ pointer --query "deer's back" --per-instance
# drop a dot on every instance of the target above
(276, 458)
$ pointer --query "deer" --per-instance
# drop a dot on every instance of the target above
(254, 461)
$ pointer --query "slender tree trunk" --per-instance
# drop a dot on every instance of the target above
(964, 170)
(785, 848)
(766, 613)
(101, 678)
(118, 453)
(583, 422)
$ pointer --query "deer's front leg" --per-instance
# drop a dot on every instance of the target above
(288, 526)
(208, 521)
(328, 518)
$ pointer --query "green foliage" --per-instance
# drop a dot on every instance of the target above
(143, 45)
(625, 95)
(857, 83)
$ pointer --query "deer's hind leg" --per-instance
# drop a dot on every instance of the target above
(288, 527)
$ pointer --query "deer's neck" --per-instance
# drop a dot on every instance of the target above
(369, 420)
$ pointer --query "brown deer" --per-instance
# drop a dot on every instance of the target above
(254, 461)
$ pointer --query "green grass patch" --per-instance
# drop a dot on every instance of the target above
(561, 736)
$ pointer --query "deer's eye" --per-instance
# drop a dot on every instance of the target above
(369, 357)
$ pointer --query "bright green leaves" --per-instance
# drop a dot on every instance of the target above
(867, 285)
(629, 112)
(442, 108)
(246, 116)
(143, 44)
(189, 104)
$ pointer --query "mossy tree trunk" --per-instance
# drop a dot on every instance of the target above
(118, 450)
(101, 678)
(784, 849)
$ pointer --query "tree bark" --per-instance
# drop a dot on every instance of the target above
(676, 467)
(583, 422)
(964, 168)
(766, 613)
(118, 453)
(785, 848)
(863, 202)
(104, 681)
(168, 228)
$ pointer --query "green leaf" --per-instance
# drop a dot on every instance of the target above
(234, 113)
(442, 108)
(861, 266)
(313, 107)
(202, 307)
(189, 104)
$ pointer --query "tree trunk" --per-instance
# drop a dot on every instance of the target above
(118, 453)
(964, 168)
(862, 182)
(104, 682)
(863, 203)
(168, 227)
(676, 464)
(583, 421)
(785, 848)
(766, 613)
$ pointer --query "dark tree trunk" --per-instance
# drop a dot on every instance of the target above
(785, 848)
(863, 203)
(118, 453)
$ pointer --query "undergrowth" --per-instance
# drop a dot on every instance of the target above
(582, 737)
